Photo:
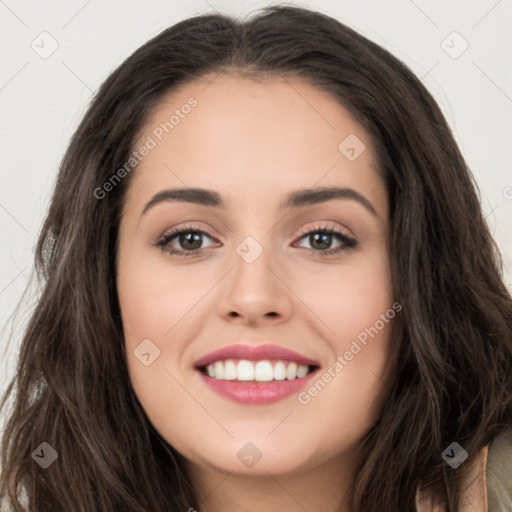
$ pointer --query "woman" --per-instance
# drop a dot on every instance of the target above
(268, 285)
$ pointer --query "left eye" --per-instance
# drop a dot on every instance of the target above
(318, 239)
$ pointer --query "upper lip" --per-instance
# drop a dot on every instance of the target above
(254, 353)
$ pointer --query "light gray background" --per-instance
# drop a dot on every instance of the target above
(43, 99)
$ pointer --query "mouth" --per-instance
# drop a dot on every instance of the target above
(256, 375)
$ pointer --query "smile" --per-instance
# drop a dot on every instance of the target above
(255, 375)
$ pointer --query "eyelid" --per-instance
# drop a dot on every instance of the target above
(348, 242)
(169, 235)
(321, 226)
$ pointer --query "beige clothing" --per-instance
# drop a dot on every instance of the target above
(489, 482)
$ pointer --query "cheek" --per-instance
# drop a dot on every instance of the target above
(348, 299)
(156, 301)
(155, 296)
(355, 306)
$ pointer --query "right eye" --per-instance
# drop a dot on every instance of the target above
(188, 237)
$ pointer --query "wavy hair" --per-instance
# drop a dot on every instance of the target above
(453, 348)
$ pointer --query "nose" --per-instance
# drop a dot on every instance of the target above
(256, 293)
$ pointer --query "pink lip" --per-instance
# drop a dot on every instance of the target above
(256, 393)
(250, 353)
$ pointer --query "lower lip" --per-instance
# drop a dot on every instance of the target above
(256, 393)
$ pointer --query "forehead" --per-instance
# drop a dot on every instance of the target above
(253, 138)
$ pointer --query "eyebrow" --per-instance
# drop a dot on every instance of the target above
(296, 199)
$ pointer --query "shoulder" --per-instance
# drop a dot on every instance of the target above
(499, 473)
(487, 483)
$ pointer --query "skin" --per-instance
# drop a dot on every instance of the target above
(253, 143)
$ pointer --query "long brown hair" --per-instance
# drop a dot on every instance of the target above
(453, 347)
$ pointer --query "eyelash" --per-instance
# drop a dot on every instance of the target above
(347, 242)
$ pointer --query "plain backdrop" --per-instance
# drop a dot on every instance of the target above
(55, 54)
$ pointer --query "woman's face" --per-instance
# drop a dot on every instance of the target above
(256, 269)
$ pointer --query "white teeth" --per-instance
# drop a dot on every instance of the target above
(264, 371)
(291, 371)
(302, 371)
(229, 371)
(261, 371)
(244, 370)
(279, 371)
(219, 370)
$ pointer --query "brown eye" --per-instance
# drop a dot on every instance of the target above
(190, 241)
(186, 241)
(321, 241)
